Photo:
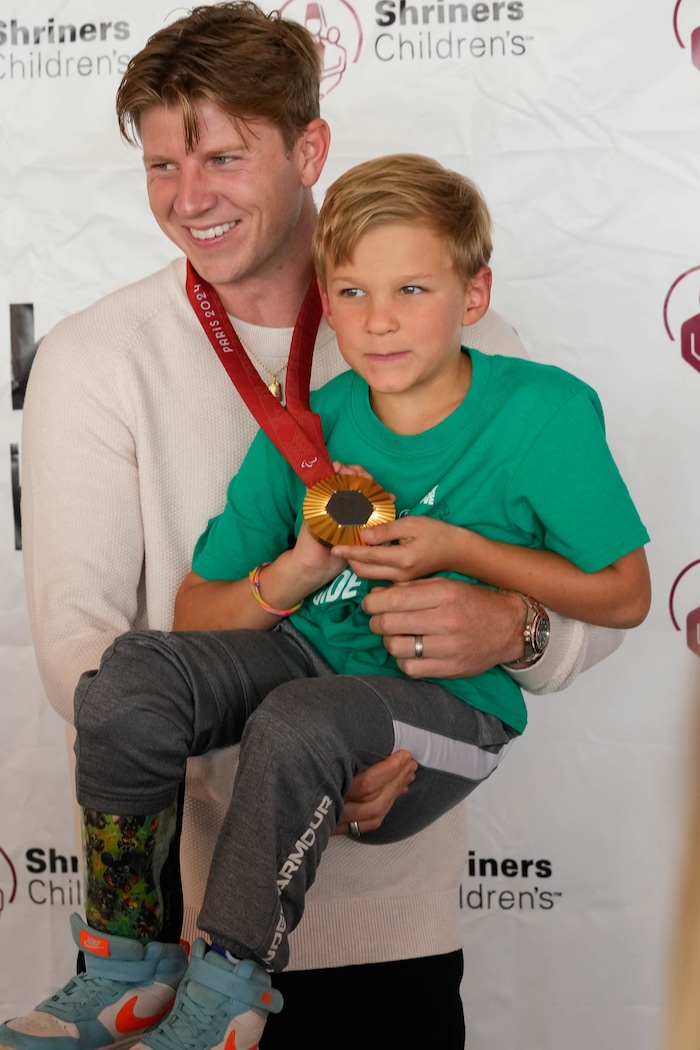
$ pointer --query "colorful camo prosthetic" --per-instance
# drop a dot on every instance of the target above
(124, 856)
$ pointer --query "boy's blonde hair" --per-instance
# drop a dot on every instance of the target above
(253, 66)
(404, 188)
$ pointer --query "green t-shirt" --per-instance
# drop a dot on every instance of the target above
(523, 459)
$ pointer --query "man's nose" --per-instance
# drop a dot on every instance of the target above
(194, 194)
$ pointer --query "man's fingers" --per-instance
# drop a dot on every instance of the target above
(407, 596)
(423, 668)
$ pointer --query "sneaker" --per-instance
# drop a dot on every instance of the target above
(127, 988)
(219, 1004)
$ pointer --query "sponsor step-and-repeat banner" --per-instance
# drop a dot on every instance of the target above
(580, 123)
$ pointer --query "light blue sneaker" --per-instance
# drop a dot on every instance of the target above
(219, 1004)
(127, 988)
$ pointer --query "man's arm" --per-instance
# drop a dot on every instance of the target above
(82, 530)
(466, 629)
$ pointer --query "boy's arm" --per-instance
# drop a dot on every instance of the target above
(216, 605)
(618, 595)
(615, 596)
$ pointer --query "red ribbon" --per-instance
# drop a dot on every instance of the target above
(295, 430)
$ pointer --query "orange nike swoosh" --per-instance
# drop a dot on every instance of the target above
(128, 1021)
(230, 1043)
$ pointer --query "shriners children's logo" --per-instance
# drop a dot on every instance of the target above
(692, 620)
(336, 27)
(8, 881)
(686, 29)
(683, 302)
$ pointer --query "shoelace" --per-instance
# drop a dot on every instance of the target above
(184, 1025)
(82, 990)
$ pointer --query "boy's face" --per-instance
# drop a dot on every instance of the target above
(398, 307)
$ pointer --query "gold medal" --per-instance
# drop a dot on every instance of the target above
(337, 508)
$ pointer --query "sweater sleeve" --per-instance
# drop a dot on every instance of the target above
(573, 648)
(82, 530)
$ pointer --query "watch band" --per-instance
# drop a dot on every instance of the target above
(535, 633)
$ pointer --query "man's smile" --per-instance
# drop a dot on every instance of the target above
(211, 232)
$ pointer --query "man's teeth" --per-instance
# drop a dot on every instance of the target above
(213, 231)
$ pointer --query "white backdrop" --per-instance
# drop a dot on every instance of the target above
(580, 122)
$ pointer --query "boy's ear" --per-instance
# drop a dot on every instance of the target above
(326, 304)
(477, 296)
(312, 146)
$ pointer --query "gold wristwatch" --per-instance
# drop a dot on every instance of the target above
(536, 633)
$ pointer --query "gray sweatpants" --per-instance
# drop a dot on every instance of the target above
(304, 731)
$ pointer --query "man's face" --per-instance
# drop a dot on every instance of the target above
(234, 204)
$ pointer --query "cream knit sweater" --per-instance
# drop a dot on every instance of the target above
(132, 431)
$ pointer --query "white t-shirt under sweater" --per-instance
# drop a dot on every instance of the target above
(132, 430)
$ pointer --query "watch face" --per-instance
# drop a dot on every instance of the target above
(540, 635)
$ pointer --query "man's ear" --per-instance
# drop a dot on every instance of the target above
(312, 147)
(326, 304)
(477, 296)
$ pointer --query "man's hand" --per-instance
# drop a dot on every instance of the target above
(374, 791)
(405, 549)
(465, 629)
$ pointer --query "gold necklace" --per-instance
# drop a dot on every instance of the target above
(275, 387)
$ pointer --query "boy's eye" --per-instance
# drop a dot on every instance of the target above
(351, 293)
(411, 289)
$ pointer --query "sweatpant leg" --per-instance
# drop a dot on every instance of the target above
(158, 698)
(456, 747)
(299, 753)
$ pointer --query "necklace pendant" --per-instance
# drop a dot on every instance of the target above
(275, 388)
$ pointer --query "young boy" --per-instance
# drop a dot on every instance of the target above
(490, 460)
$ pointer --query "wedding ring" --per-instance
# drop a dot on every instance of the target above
(354, 829)
(419, 645)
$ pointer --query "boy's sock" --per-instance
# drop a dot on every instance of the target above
(220, 950)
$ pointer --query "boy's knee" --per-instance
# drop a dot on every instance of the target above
(295, 711)
(112, 697)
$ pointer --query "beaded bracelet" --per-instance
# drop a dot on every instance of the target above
(254, 577)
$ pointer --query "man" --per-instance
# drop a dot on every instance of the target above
(132, 429)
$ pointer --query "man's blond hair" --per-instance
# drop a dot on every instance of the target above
(404, 188)
(253, 66)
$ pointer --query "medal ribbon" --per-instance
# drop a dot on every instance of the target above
(295, 430)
